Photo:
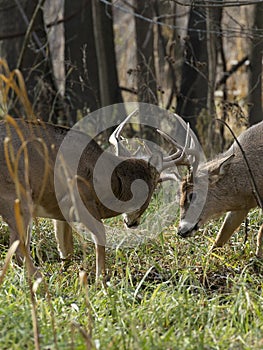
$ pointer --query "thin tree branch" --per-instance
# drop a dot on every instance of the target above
(28, 32)
(25, 19)
(214, 3)
(130, 90)
(49, 25)
(233, 69)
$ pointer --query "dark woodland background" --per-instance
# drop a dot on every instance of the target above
(200, 59)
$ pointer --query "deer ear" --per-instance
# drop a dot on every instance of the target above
(224, 164)
(221, 168)
(156, 160)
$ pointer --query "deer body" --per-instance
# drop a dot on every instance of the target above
(229, 188)
(35, 145)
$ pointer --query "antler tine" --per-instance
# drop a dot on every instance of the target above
(121, 126)
(114, 138)
(143, 151)
(147, 149)
(181, 150)
(171, 176)
(180, 157)
(191, 150)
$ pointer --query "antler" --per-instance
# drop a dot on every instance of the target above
(181, 156)
(115, 138)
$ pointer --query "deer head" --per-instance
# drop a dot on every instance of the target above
(157, 161)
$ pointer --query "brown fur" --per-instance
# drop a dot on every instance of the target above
(36, 190)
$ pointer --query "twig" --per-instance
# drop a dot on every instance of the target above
(130, 90)
(80, 10)
(233, 69)
(25, 19)
(22, 236)
(29, 30)
(52, 315)
(87, 334)
(10, 253)
(213, 4)
(49, 25)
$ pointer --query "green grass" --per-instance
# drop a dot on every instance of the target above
(166, 294)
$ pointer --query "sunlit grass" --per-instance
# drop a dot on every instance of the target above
(166, 294)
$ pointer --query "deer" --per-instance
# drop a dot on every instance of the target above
(32, 167)
(231, 183)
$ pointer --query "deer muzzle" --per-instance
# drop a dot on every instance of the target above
(131, 220)
(187, 230)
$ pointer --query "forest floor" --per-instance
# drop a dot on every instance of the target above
(168, 293)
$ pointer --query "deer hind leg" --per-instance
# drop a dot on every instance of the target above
(64, 237)
(14, 236)
(232, 221)
(259, 251)
(23, 252)
(8, 215)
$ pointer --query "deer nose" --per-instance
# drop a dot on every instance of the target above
(133, 225)
(131, 222)
(182, 232)
(186, 230)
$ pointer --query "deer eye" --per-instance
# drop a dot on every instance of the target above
(191, 197)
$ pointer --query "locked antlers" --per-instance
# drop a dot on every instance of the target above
(185, 155)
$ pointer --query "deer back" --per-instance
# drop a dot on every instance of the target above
(224, 183)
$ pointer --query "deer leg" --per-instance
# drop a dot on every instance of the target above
(99, 239)
(100, 261)
(14, 236)
(232, 221)
(259, 251)
(64, 237)
(97, 229)
(23, 254)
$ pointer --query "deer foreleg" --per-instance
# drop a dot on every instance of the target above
(100, 261)
(232, 221)
(100, 242)
(64, 237)
(95, 226)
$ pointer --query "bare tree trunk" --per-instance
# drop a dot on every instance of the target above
(27, 52)
(192, 98)
(11, 23)
(53, 13)
(145, 69)
(82, 81)
(213, 20)
(146, 77)
(105, 51)
(167, 47)
(212, 60)
(255, 77)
